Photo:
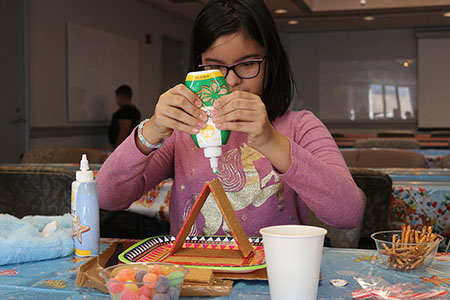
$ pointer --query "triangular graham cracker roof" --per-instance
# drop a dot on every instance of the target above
(215, 187)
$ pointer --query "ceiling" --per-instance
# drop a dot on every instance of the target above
(335, 14)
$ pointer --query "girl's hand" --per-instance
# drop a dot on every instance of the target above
(177, 109)
(245, 112)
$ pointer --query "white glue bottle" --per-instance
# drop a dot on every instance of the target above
(85, 212)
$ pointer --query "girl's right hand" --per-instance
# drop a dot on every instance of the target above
(177, 109)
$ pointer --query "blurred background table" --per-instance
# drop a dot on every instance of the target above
(421, 197)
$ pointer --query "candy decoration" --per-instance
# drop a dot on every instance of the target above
(174, 276)
(174, 292)
(435, 280)
(395, 294)
(163, 284)
(161, 297)
(155, 284)
(115, 286)
(129, 295)
(146, 291)
(127, 275)
(140, 275)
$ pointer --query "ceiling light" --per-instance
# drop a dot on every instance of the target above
(293, 22)
(446, 14)
(369, 18)
(406, 64)
(280, 11)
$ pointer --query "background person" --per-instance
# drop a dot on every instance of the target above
(125, 118)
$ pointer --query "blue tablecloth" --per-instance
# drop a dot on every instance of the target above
(55, 279)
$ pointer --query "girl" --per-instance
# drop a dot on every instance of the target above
(276, 163)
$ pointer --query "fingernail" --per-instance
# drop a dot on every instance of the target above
(198, 103)
(216, 119)
(214, 112)
(204, 117)
(201, 124)
(218, 125)
(216, 103)
(194, 131)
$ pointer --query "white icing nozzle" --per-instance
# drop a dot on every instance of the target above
(213, 153)
(84, 163)
(84, 174)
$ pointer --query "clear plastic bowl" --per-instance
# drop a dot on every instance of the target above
(144, 280)
(404, 256)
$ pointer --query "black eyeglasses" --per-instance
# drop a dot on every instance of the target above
(244, 69)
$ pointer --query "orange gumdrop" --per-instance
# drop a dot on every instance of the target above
(127, 275)
(150, 279)
(158, 270)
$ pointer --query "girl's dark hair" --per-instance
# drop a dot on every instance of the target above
(221, 17)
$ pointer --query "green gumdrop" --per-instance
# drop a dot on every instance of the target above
(116, 296)
(175, 278)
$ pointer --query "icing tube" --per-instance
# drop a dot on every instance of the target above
(209, 85)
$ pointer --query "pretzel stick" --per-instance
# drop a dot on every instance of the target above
(409, 249)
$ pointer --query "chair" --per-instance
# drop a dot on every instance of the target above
(62, 155)
(396, 133)
(339, 238)
(440, 133)
(384, 158)
(377, 186)
(337, 134)
(35, 190)
(387, 143)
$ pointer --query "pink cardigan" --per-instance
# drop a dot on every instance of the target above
(318, 178)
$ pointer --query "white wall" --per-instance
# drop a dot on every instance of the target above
(307, 50)
(132, 19)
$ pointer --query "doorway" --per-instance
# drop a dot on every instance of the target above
(13, 59)
(173, 63)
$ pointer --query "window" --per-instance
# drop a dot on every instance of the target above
(390, 102)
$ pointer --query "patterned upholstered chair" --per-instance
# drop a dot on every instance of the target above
(377, 187)
(394, 143)
(62, 155)
(35, 190)
(339, 238)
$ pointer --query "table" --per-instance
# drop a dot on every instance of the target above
(55, 279)
(421, 197)
(434, 156)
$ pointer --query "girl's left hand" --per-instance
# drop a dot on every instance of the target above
(245, 112)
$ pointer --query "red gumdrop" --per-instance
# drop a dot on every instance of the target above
(129, 295)
(115, 286)
(146, 291)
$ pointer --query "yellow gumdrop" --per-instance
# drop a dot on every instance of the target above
(131, 286)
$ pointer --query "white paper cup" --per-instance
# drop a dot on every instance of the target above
(293, 255)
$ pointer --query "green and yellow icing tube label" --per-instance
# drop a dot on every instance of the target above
(209, 86)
